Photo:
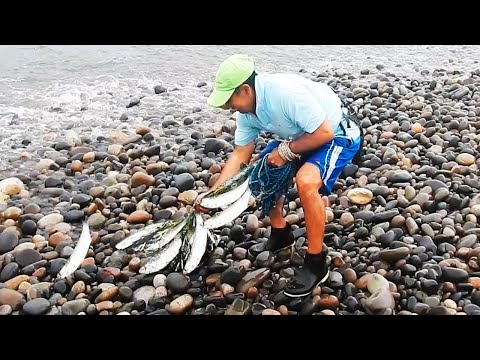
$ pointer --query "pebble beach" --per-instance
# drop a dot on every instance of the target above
(402, 228)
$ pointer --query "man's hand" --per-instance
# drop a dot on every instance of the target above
(254, 159)
(275, 160)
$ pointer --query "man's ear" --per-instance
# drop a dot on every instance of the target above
(247, 89)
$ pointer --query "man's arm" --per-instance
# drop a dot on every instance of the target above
(305, 143)
(305, 111)
(308, 142)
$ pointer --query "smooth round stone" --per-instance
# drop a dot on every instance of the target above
(159, 280)
(177, 283)
(360, 196)
(376, 282)
(449, 303)
(8, 241)
(36, 306)
(5, 309)
(350, 275)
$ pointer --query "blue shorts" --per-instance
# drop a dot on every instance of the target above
(330, 158)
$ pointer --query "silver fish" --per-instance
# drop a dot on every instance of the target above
(160, 239)
(163, 257)
(234, 182)
(78, 254)
(197, 245)
(131, 239)
(224, 199)
(152, 234)
(230, 213)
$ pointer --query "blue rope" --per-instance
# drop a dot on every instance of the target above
(270, 183)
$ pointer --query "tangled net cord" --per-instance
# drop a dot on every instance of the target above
(270, 183)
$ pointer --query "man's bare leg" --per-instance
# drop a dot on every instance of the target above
(309, 183)
(315, 268)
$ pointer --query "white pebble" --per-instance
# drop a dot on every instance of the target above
(449, 303)
(408, 240)
(376, 282)
(451, 312)
(328, 312)
(159, 280)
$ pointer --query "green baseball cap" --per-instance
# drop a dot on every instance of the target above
(231, 73)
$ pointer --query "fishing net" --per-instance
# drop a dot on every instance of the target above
(268, 183)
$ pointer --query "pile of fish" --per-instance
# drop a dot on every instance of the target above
(178, 243)
(181, 244)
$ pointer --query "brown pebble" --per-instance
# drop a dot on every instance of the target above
(361, 283)
(104, 306)
(40, 272)
(107, 295)
(77, 166)
(475, 281)
(181, 304)
(328, 302)
(213, 179)
(252, 293)
(138, 216)
(338, 261)
(473, 264)
(14, 283)
(382, 272)
(88, 261)
(212, 279)
(328, 312)
(350, 275)
(282, 309)
(55, 239)
(215, 169)
(135, 264)
(92, 208)
(140, 178)
(449, 287)
(142, 130)
(417, 128)
(462, 252)
(89, 157)
(216, 293)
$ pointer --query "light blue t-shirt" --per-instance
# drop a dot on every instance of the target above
(289, 106)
